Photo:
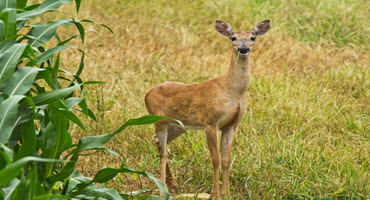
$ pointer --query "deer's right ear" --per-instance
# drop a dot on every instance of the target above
(223, 28)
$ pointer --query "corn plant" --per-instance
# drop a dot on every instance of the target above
(37, 107)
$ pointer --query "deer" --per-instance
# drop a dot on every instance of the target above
(218, 104)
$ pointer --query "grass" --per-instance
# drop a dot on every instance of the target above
(306, 133)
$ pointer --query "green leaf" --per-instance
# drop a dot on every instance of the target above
(54, 95)
(24, 115)
(83, 107)
(100, 192)
(81, 30)
(12, 170)
(70, 102)
(78, 3)
(8, 116)
(48, 5)
(71, 116)
(32, 7)
(6, 44)
(81, 187)
(30, 54)
(21, 4)
(91, 115)
(57, 138)
(67, 40)
(20, 191)
(7, 4)
(2, 30)
(10, 187)
(68, 168)
(29, 101)
(81, 66)
(33, 186)
(54, 74)
(44, 32)
(28, 143)
(8, 16)
(105, 26)
(93, 142)
(7, 154)
(49, 196)
(9, 60)
(76, 179)
(113, 153)
(50, 52)
(107, 174)
(94, 82)
(21, 81)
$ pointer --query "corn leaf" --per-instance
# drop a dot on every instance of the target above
(12, 170)
(93, 142)
(48, 5)
(44, 32)
(8, 116)
(28, 142)
(50, 52)
(7, 4)
(21, 81)
(54, 95)
(107, 174)
(8, 61)
(10, 187)
(8, 16)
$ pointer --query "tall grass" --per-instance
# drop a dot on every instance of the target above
(306, 133)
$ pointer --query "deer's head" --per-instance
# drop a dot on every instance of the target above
(242, 41)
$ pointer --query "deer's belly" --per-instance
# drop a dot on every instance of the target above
(192, 127)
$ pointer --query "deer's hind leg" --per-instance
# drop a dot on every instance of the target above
(172, 133)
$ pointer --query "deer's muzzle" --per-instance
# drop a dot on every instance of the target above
(243, 49)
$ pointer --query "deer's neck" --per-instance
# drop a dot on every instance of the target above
(238, 76)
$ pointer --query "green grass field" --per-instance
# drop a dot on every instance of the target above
(306, 132)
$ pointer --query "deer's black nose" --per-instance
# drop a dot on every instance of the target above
(243, 50)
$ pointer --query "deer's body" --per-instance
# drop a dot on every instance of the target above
(213, 105)
(199, 105)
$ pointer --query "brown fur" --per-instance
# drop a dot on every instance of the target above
(213, 105)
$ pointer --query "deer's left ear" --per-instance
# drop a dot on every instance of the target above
(261, 28)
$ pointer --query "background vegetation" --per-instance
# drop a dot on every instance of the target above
(306, 133)
(37, 106)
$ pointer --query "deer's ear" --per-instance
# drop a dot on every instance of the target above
(223, 28)
(261, 28)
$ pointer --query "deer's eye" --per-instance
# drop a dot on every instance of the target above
(233, 38)
(253, 39)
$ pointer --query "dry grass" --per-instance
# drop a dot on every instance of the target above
(307, 129)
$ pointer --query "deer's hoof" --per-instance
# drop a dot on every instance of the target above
(214, 195)
(223, 195)
(172, 184)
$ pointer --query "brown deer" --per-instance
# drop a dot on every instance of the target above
(213, 105)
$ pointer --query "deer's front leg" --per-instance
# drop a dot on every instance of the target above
(211, 135)
(227, 137)
(161, 130)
